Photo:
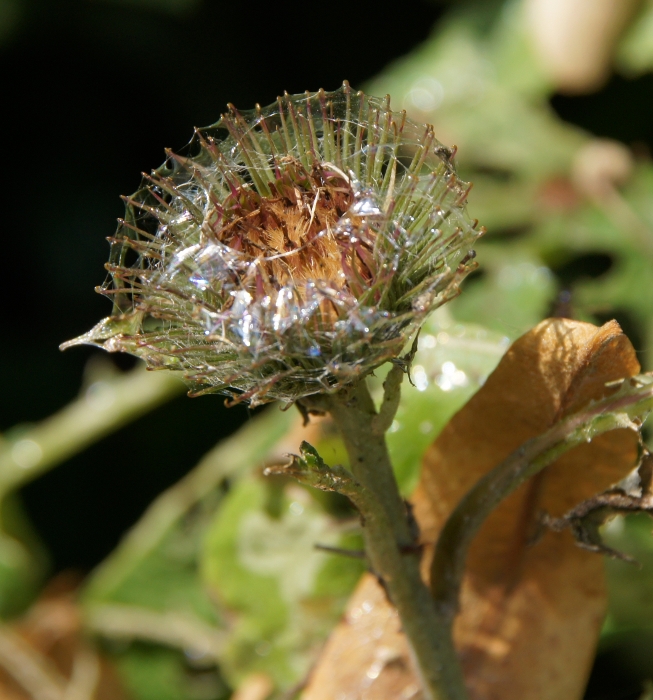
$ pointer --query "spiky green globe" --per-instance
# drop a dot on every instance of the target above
(290, 250)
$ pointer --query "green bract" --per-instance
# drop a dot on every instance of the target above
(289, 250)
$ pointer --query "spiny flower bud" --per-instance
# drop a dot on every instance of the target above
(290, 250)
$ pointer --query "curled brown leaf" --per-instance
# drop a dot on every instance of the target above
(532, 601)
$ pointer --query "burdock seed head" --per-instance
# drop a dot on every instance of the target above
(290, 250)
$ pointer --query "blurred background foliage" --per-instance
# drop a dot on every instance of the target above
(217, 587)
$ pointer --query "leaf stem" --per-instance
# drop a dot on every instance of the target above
(620, 410)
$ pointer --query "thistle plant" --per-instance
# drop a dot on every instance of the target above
(286, 254)
(290, 250)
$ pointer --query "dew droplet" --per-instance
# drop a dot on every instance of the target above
(26, 453)
(263, 648)
(100, 396)
(296, 508)
(374, 671)
(420, 378)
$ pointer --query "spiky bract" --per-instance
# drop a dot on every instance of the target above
(290, 250)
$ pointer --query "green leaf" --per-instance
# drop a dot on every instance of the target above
(157, 565)
(515, 292)
(622, 228)
(461, 81)
(23, 559)
(630, 586)
(283, 595)
(635, 51)
(156, 673)
(452, 362)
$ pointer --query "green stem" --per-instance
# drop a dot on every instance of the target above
(108, 403)
(250, 445)
(631, 403)
(390, 544)
(170, 628)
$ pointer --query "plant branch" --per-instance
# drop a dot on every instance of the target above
(390, 403)
(631, 495)
(105, 405)
(85, 675)
(170, 628)
(392, 390)
(624, 409)
(389, 535)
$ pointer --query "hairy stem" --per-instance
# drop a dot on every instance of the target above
(631, 403)
(390, 544)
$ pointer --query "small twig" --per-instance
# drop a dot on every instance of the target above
(624, 409)
(32, 671)
(310, 469)
(390, 403)
(169, 628)
(85, 675)
(586, 519)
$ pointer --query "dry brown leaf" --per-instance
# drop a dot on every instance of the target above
(59, 662)
(530, 614)
(257, 686)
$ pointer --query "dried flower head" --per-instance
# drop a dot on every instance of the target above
(289, 250)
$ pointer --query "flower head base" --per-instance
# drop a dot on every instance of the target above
(290, 250)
